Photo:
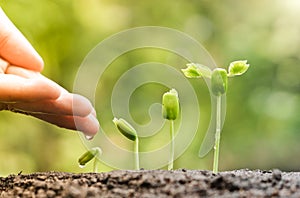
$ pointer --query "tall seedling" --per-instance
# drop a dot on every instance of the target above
(219, 84)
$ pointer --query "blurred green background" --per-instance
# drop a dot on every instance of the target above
(262, 125)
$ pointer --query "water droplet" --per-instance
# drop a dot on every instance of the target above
(88, 137)
(81, 166)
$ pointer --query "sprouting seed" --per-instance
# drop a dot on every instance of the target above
(128, 131)
(170, 109)
(125, 128)
(88, 156)
(219, 78)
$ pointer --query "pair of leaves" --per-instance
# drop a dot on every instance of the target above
(195, 70)
(218, 76)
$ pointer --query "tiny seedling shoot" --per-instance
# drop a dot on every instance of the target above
(88, 156)
(128, 131)
(170, 109)
(219, 81)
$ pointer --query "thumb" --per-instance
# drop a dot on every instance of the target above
(15, 48)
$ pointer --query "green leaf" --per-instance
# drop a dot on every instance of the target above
(195, 70)
(89, 155)
(219, 81)
(125, 128)
(170, 105)
(237, 68)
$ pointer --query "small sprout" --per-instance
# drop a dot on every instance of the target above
(128, 131)
(125, 128)
(195, 70)
(237, 68)
(170, 109)
(219, 81)
(88, 156)
(170, 105)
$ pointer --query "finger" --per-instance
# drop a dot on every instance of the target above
(66, 104)
(25, 73)
(15, 48)
(14, 88)
(94, 112)
(89, 125)
(22, 72)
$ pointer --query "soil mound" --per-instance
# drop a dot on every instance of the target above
(153, 183)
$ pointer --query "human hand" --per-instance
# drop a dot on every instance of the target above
(24, 89)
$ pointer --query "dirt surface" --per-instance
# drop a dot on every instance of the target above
(153, 183)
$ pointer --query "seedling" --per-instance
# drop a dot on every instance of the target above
(219, 83)
(170, 109)
(128, 131)
(88, 156)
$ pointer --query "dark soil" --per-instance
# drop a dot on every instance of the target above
(153, 183)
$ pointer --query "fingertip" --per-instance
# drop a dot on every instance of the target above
(20, 52)
(88, 125)
(94, 112)
(82, 106)
(39, 65)
(34, 60)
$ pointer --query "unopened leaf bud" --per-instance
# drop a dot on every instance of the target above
(170, 105)
(219, 81)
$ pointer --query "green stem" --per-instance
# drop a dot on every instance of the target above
(171, 160)
(95, 168)
(217, 136)
(136, 152)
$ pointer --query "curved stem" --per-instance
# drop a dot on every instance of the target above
(171, 160)
(217, 136)
(136, 152)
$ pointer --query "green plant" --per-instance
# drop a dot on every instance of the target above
(128, 131)
(88, 156)
(219, 84)
(170, 109)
